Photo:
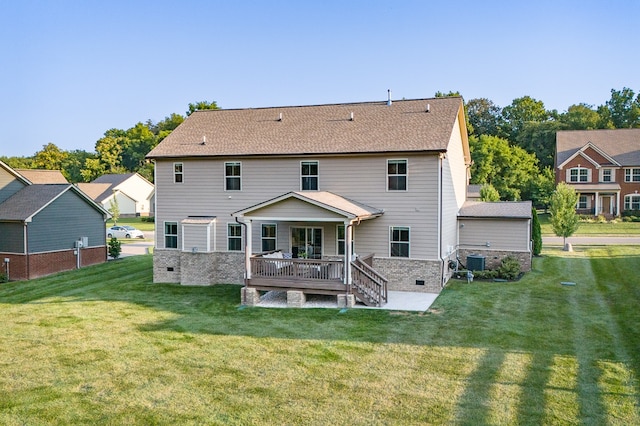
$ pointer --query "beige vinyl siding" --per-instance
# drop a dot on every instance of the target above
(361, 178)
(195, 236)
(296, 208)
(454, 182)
(501, 234)
(9, 185)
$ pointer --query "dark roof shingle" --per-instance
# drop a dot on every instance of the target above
(29, 200)
(502, 209)
(321, 129)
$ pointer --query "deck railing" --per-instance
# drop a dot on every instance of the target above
(316, 269)
(368, 284)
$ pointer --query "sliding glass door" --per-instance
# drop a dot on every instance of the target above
(306, 242)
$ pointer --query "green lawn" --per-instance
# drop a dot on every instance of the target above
(612, 228)
(104, 345)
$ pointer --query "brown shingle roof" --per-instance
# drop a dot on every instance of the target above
(96, 191)
(502, 209)
(42, 176)
(623, 145)
(320, 129)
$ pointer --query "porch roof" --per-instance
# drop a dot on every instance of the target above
(597, 187)
(337, 204)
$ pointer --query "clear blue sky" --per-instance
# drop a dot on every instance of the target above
(70, 70)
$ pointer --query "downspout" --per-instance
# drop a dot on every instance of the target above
(348, 253)
(26, 250)
(246, 257)
(440, 215)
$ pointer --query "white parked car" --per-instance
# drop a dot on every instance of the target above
(124, 232)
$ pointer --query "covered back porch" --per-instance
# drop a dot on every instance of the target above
(303, 267)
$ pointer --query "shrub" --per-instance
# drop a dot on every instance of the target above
(536, 233)
(631, 213)
(601, 219)
(3, 277)
(150, 219)
(114, 247)
(509, 268)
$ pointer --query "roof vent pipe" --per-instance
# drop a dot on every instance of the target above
(204, 140)
(428, 108)
(351, 116)
(389, 97)
(280, 117)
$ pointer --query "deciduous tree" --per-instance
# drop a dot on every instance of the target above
(564, 218)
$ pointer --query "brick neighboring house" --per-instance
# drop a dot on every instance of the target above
(603, 166)
(334, 199)
(41, 225)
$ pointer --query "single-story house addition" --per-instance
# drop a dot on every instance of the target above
(47, 228)
(492, 231)
(348, 199)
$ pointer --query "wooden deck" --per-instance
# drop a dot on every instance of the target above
(307, 275)
(271, 271)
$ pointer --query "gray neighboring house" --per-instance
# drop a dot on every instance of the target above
(350, 199)
(42, 225)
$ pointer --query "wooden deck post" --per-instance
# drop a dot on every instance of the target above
(248, 250)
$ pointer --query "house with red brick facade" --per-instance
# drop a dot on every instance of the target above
(47, 228)
(603, 166)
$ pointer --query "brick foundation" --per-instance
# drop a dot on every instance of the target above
(35, 265)
(494, 257)
(404, 274)
(173, 266)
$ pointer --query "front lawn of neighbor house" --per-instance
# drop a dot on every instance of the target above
(104, 345)
(615, 227)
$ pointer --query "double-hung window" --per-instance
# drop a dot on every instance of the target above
(579, 174)
(632, 175)
(177, 173)
(396, 175)
(269, 232)
(632, 202)
(399, 241)
(309, 175)
(606, 175)
(234, 237)
(232, 176)
(171, 235)
(582, 202)
(340, 237)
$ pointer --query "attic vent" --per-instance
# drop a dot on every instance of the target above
(428, 109)
(351, 116)
(280, 117)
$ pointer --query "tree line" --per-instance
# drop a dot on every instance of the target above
(118, 151)
(512, 147)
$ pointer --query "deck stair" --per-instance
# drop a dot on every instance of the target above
(367, 284)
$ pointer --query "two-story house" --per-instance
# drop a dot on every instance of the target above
(133, 193)
(603, 166)
(325, 199)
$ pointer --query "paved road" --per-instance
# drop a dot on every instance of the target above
(137, 248)
(600, 240)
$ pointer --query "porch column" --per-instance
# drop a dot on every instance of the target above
(348, 253)
(248, 250)
(618, 203)
(596, 211)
